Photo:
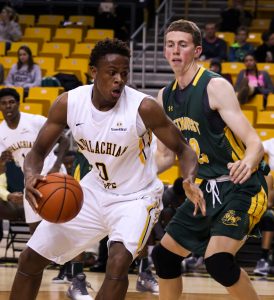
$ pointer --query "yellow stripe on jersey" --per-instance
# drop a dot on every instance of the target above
(141, 154)
(198, 76)
(236, 144)
(174, 85)
(257, 208)
(150, 221)
(77, 173)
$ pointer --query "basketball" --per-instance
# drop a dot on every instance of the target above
(62, 198)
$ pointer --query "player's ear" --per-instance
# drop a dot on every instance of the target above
(93, 72)
(198, 51)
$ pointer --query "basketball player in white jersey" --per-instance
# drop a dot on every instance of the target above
(112, 125)
(18, 132)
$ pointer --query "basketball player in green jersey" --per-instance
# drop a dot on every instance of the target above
(204, 107)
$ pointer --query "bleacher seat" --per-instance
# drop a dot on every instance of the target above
(54, 20)
(255, 38)
(260, 25)
(269, 67)
(232, 68)
(265, 119)
(70, 35)
(44, 96)
(27, 20)
(47, 65)
(250, 114)
(82, 20)
(33, 108)
(82, 50)
(16, 45)
(77, 66)
(8, 62)
(256, 102)
(37, 34)
(95, 35)
(270, 102)
(2, 48)
(57, 50)
(265, 133)
(229, 37)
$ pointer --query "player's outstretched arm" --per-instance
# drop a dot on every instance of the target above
(46, 139)
(223, 99)
(170, 136)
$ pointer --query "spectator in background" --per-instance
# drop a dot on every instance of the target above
(107, 19)
(213, 47)
(25, 72)
(216, 66)
(235, 16)
(241, 47)
(251, 81)
(10, 30)
(265, 52)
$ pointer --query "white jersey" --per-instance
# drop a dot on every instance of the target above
(122, 159)
(21, 139)
(269, 149)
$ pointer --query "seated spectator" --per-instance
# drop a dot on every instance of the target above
(216, 66)
(25, 72)
(265, 52)
(10, 30)
(240, 48)
(235, 16)
(251, 81)
(213, 47)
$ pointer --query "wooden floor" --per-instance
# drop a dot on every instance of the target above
(199, 287)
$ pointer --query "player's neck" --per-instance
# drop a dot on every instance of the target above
(13, 123)
(186, 76)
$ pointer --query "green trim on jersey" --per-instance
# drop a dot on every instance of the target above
(80, 166)
(214, 150)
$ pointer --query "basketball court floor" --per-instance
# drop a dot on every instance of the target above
(197, 286)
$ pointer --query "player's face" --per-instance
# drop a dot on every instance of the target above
(9, 108)
(180, 50)
(110, 77)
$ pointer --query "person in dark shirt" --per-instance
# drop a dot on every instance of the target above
(213, 47)
(265, 52)
(235, 16)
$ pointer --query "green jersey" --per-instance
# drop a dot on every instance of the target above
(189, 110)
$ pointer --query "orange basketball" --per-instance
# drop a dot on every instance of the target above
(62, 198)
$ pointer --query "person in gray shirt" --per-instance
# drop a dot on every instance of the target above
(25, 72)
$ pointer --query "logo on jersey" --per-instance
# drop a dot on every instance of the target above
(25, 130)
(119, 127)
(230, 218)
(78, 124)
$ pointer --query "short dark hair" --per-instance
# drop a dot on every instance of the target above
(108, 46)
(10, 92)
(186, 26)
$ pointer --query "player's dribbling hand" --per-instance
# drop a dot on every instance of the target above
(195, 195)
(240, 171)
(31, 193)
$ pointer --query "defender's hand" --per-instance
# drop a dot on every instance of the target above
(195, 195)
